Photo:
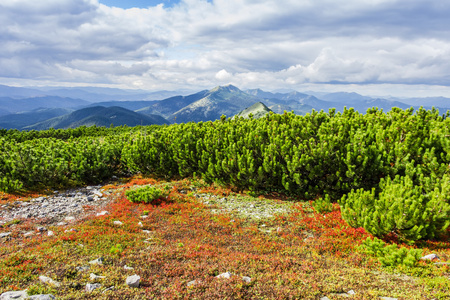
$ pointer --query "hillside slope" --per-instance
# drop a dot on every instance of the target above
(99, 116)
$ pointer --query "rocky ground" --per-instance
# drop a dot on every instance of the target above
(59, 208)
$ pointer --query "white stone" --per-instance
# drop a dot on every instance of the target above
(5, 234)
(69, 219)
(29, 233)
(103, 213)
(98, 261)
(388, 298)
(430, 257)
(246, 279)
(226, 275)
(50, 233)
(351, 292)
(111, 288)
(128, 268)
(49, 281)
(118, 223)
(133, 281)
(92, 276)
(325, 298)
(92, 286)
(140, 224)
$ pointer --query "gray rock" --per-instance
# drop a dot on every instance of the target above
(28, 233)
(15, 295)
(246, 279)
(82, 268)
(325, 298)
(93, 277)
(111, 288)
(128, 268)
(92, 286)
(118, 223)
(430, 257)
(98, 261)
(43, 297)
(226, 275)
(388, 298)
(351, 292)
(49, 281)
(5, 234)
(133, 281)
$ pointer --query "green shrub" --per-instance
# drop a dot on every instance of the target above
(391, 255)
(399, 207)
(323, 204)
(146, 194)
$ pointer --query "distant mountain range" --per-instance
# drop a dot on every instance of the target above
(43, 108)
(99, 116)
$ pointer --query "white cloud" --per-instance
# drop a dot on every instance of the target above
(200, 44)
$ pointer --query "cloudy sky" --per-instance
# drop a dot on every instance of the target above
(374, 47)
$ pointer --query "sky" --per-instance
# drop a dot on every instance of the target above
(373, 47)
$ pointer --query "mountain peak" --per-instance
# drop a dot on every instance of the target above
(225, 88)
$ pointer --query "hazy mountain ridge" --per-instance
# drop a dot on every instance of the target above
(99, 116)
(41, 111)
(21, 120)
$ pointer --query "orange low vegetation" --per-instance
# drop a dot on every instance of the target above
(298, 255)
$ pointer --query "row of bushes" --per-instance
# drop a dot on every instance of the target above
(361, 160)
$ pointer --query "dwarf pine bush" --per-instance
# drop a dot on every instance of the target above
(391, 255)
(399, 207)
(145, 194)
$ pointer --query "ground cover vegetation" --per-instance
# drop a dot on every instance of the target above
(370, 175)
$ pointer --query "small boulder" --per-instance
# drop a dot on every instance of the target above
(118, 223)
(246, 279)
(15, 295)
(133, 281)
(430, 257)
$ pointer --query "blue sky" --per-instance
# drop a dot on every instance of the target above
(374, 47)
